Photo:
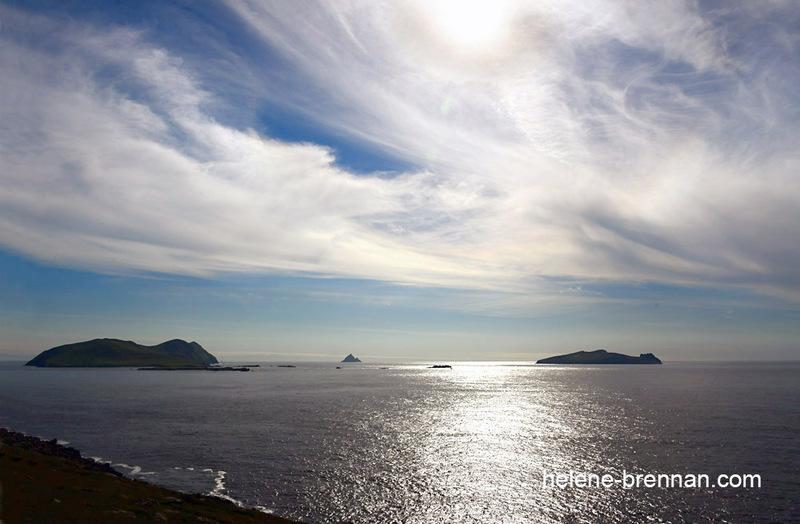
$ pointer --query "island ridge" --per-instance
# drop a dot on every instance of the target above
(600, 356)
(110, 352)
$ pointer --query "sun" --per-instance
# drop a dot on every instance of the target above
(470, 26)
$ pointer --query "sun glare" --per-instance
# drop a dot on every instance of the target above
(471, 25)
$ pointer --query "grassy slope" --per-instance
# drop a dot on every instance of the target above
(47, 488)
(188, 350)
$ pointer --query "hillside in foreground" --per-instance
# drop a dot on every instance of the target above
(44, 482)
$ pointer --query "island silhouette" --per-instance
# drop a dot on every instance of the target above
(111, 352)
(600, 356)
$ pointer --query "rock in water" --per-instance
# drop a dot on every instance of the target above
(351, 358)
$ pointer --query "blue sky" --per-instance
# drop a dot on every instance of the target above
(402, 180)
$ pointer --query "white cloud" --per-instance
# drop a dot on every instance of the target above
(94, 178)
(591, 147)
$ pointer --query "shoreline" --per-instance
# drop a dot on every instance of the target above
(42, 481)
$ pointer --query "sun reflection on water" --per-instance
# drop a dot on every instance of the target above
(488, 433)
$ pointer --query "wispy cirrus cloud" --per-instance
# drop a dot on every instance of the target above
(599, 142)
(146, 180)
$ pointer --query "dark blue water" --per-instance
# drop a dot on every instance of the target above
(412, 444)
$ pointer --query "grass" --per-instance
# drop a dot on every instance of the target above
(37, 487)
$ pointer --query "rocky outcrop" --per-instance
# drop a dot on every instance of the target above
(52, 448)
(351, 358)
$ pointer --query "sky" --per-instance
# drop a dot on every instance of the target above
(404, 180)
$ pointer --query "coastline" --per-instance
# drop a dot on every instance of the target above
(43, 481)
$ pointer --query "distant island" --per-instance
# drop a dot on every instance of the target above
(351, 358)
(600, 356)
(110, 352)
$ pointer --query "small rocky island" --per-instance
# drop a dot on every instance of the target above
(110, 352)
(600, 356)
(351, 358)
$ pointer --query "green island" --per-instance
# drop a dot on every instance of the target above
(42, 481)
(111, 352)
(600, 356)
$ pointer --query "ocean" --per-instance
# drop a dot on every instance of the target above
(481, 442)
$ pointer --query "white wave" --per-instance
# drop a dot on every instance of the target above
(219, 489)
(134, 470)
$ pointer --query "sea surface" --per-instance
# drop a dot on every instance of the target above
(406, 443)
